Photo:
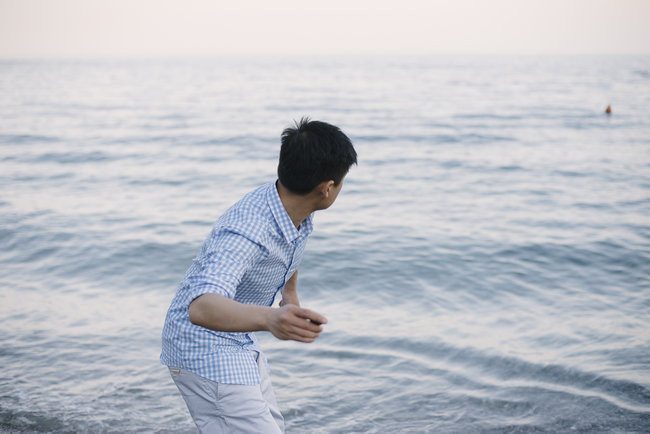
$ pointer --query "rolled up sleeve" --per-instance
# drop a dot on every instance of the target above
(222, 264)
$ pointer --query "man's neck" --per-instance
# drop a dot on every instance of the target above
(299, 207)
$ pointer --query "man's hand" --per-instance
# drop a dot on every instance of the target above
(291, 322)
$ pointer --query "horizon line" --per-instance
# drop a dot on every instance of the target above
(181, 56)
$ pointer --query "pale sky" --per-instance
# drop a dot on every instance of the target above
(108, 28)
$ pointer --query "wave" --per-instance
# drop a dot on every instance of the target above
(452, 388)
(27, 139)
(435, 139)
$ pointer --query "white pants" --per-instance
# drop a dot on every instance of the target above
(230, 408)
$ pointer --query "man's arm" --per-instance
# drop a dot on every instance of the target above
(289, 292)
(289, 322)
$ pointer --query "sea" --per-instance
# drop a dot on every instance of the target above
(485, 269)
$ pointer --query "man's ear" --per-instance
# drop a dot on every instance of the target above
(325, 187)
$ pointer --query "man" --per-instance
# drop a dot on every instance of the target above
(252, 252)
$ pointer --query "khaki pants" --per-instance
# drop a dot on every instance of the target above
(230, 408)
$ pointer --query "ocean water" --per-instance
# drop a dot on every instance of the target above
(486, 267)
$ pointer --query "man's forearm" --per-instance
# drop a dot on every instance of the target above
(219, 313)
(290, 296)
(290, 292)
(216, 312)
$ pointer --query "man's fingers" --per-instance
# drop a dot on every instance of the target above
(298, 338)
(303, 332)
(301, 323)
(311, 315)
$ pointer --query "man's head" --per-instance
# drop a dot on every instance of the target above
(314, 152)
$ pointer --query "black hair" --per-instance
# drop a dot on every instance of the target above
(313, 152)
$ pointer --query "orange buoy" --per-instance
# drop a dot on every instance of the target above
(608, 110)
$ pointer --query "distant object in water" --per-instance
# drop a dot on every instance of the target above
(608, 110)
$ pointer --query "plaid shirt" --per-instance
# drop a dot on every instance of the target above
(251, 252)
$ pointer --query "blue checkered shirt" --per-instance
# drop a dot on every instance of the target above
(251, 252)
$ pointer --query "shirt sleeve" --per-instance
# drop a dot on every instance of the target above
(222, 263)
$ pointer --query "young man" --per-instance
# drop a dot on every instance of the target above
(252, 252)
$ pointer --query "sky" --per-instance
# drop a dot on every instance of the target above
(126, 28)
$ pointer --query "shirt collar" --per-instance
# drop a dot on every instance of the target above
(282, 218)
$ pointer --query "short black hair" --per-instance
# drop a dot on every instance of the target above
(313, 152)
